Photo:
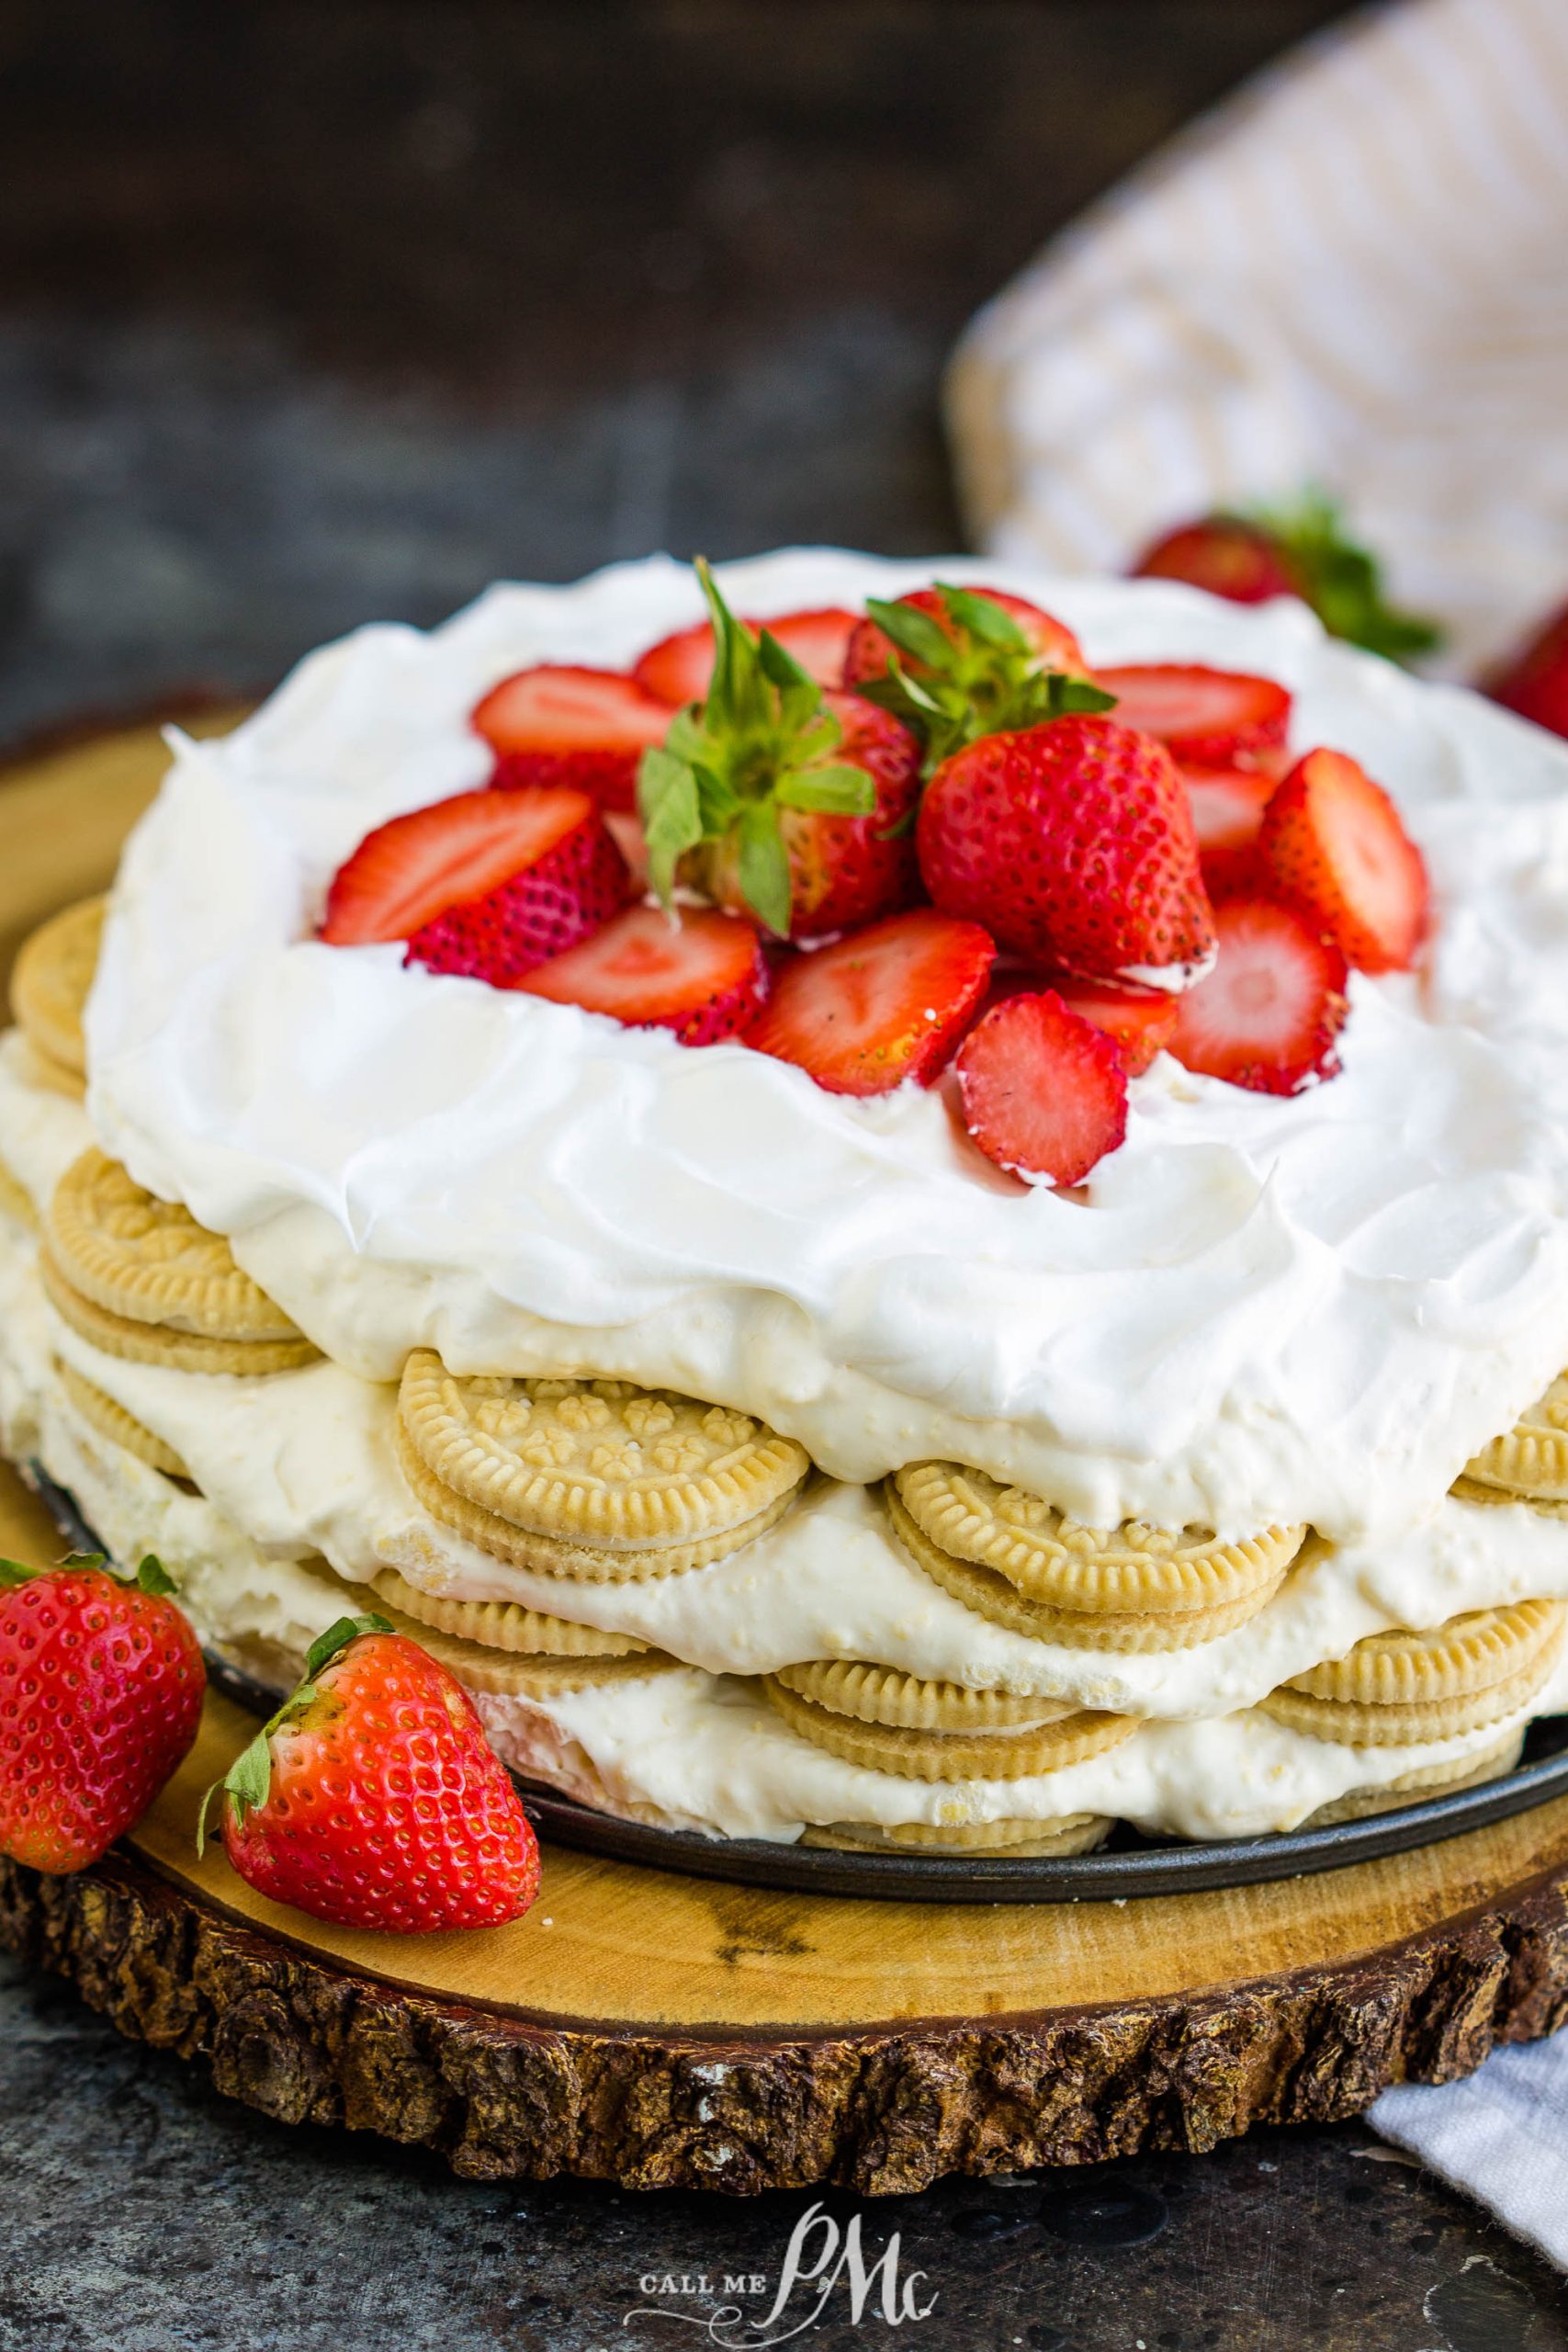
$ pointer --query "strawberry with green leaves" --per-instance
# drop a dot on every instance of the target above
(779, 798)
(101, 1684)
(957, 663)
(372, 1797)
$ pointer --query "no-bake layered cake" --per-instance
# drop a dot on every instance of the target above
(931, 1227)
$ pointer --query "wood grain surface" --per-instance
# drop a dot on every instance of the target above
(656, 2029)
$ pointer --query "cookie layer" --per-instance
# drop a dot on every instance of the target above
(992, 1596)
(503, 1625)
(149, 1261)
(112, 1420)
(940, 1755)
(1056, 1561)
(1470, 1653)
(882, 1695)
(1077, 1833)
(117, 1335)
(548, 1557)
(1532, 1459)
(1431, 1780)
(595, 1462)
(49, 984)
(1410, 1724)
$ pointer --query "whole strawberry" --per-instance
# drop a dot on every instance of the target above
(779, 798)
(1073, 844)
(101, 1684)
(372, 1798)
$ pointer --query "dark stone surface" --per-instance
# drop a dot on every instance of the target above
(140, 2212)
(309, 314)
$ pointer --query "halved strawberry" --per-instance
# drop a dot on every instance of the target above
(677, 670)
(1044, 1090)
(1268, 1014)
(1073, 843)
(699, 973)
(515, 876)
(1227, 809)
(1049, 641)
(1210, 718)
(1138, 1022)
(1332, 843)
(558, 724)
(887, 1003)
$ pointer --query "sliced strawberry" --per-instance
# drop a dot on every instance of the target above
(1044, 1090)
(677, 670)
(1138, 1022)
(1051, 643)
(1269, 1012)
(699, 973)
(1332, 843)
(1073, 843)
(1227, 809)
(568, 889)
(557, 724)
(1211, 718)
(1225, 554)
(885, 1004)
(416, 866)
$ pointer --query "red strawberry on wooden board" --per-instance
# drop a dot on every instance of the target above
(1535, 683)
(560, 724)
(698, 972)
(1331, 844)
(1073, 843)
(679, 669)
(1045, 1092)
(1208, 719)
(101, 1684)
(488, 882)
(1303, 550)
(954, 664)
(886, 1004)
(1268, 1014)
(779, 798)
(372, 1799)
(1227, 812)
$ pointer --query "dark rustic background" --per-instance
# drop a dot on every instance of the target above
(311, 313)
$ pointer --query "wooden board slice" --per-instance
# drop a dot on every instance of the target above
(666, 2031)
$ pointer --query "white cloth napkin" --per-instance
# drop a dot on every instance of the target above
(1502, 2134)
(1355, 272)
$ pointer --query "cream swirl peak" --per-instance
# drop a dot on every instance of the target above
(1257, 1310)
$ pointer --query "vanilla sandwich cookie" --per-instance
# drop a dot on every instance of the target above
(55, 1078)
(156, 1343)
(148, 1261)
(112, 1420)
(1019, 1753)
(507, 1674)
(882, 1695)
(1055, 1561)
(15, 1200)
(590, 1478)
(1468, 1654)
(1074, 1833)
(1531, 1459)
(1455, 1698)
(49, 985)
(991, 1595)
(521, 1547)
(504, 1625)
(1430, 1781)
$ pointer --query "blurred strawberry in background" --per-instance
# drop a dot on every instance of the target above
(1535, 683)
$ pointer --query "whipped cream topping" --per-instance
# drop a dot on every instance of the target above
(1255, 1311)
